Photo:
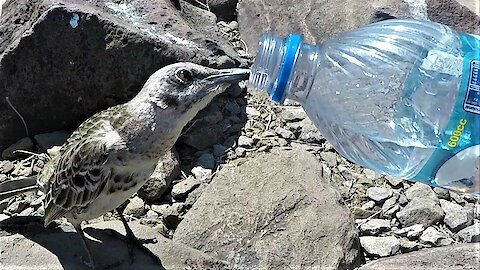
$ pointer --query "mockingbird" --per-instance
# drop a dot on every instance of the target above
(113, 153)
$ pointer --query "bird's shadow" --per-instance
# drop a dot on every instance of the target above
(64, 247)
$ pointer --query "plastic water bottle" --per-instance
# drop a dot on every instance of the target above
(401, 97)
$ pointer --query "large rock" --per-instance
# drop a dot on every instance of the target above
(30, 246)
(456, 217)
(465, 256)
(470, 4)
(168, 168)
(470, 234)
(316, 20)
(454, 14)
(421, 190)
(273, 212)
(380, 246)
(420, 211)
(63, 60)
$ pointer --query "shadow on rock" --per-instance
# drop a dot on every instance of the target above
(26, 243)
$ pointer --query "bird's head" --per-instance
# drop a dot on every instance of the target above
(179, 91)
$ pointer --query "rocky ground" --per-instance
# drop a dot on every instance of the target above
(250, 184)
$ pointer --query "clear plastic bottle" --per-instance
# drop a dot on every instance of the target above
(391, 96)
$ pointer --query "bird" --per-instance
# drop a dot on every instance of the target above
(112, 154)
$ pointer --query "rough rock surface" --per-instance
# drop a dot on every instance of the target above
(106, 52)
(379, 194)
(470, 234)
(420, 190)
(456, 217)
(259, 215)
(168, 168)
(465, 256)
(316, 20)
(375, 226)
(420, 211)
(380, 246)
(40, 248)
(432, 236)
(454, 14)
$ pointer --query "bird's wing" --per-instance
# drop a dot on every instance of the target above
(77, 174)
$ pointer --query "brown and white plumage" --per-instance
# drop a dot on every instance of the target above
(112, 154)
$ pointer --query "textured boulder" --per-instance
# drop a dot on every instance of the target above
(380, 246)
(272, 212)
(420, 211)
(321, 20)
(466, 256)
(39, 248)
(454, 14)
(63, 60)
(316, 20)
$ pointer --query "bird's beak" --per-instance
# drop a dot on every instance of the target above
(232, 75)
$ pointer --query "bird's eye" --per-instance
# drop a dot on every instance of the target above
(184, 75)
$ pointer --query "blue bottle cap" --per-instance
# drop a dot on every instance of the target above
(292, 46)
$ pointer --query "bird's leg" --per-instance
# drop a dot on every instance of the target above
(132, 240)
(90, 262)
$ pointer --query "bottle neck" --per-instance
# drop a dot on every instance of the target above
(284, 68)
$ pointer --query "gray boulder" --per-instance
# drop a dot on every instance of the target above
(379, 194)
(454, 14)
(465, 256)
(420, 211)
(273, 212)
(63, 60)
(432, 236)
(456, 217)
(380, 246)
(375, 226)
(29, 245)
(420, 190)
(319, 21)
(470, 234)
(316, 20)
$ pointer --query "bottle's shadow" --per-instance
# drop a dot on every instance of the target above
(23, 241)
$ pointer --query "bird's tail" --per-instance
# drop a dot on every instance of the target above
(16, 186)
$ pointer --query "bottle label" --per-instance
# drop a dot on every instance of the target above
(455, 164)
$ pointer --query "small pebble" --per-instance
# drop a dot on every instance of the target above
(181, 189)
(244, 141)
(202, 174)
(379, 194)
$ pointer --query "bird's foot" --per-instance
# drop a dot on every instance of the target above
(88, 263)
(132, 241)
